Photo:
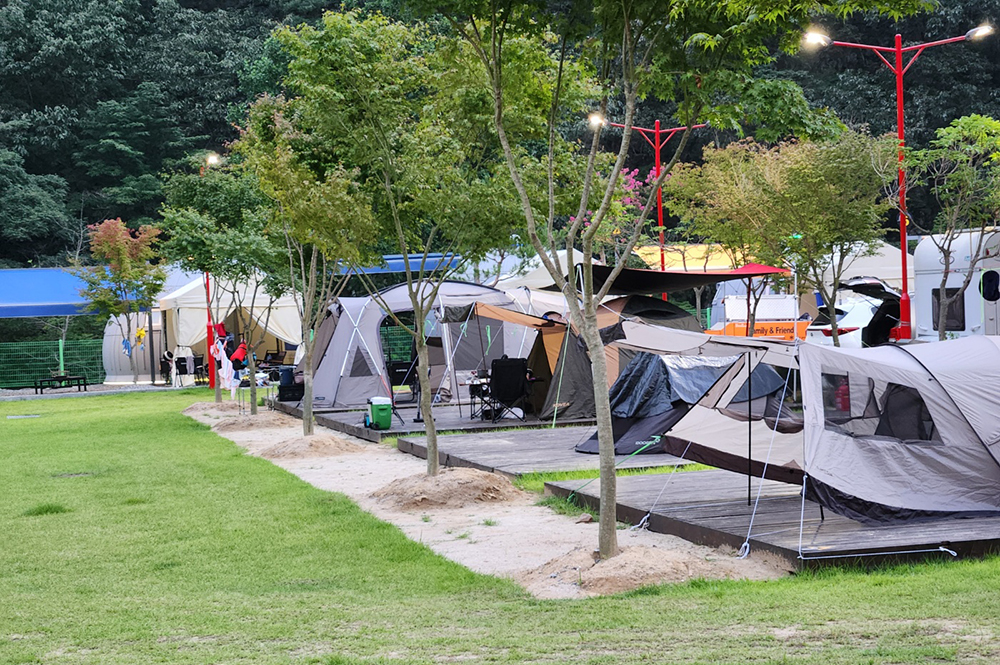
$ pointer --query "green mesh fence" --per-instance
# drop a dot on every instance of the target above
(23, 362)
(396, 342)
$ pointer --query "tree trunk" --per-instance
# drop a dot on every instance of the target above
(423, 375)
(133, 365)
(607, 534)
(213, 371)
(831, 313)
(308, 427)
(218, 384)
(943, 304)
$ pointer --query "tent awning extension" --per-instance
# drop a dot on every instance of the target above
(41, 292)
(632, 281)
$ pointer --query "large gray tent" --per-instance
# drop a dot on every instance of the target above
(352, 366)
(903, 431)
(889, 433)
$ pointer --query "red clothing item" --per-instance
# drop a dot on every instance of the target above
(240, 354)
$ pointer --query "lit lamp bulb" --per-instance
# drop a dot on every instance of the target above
(816, 40)
(212, 159)
(596, 120)
(984, 30)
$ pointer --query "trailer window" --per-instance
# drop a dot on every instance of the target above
(990, 286)
(956, 309)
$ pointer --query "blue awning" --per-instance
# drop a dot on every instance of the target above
(394, 263)
(41, 292)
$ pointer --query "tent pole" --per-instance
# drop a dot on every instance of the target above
(750, 431)
(152, 353)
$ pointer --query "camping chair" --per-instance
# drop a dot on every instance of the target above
(402, 374)
(200, 376)
(509, 387)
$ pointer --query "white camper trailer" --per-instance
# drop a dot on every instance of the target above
(977, 312)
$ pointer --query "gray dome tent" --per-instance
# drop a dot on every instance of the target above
(352, 365)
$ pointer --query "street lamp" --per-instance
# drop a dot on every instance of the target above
(819, 40)
(211, 159)
(658, 140)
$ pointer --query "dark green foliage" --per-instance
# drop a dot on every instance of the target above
(947, 81)
(33, 218)
(101, 97)
(43, 329)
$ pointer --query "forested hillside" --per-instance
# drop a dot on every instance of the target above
(100, 98)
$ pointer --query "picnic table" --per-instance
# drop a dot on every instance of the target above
(60, 381)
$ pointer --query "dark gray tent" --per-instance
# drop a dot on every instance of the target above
(654, 393)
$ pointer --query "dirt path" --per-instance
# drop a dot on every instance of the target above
(485, 524)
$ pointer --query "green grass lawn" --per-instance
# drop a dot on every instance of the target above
(131, 534)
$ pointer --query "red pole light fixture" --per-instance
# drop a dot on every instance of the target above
(817, 40)
(211, 159)
(660, 137)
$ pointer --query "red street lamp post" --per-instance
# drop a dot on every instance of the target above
(816, 39)
(211, 159)
(660, 137)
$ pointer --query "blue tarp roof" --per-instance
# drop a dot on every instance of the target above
(56, 292)
(40, 292)
(394, 263)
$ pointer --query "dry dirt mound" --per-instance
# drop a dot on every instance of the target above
(208, 408)
(451, 488)
(641, 566)
(316, 445)
(264, 419)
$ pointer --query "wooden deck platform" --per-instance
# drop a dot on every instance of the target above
(710, 508)
(447, 417)
(516, 452)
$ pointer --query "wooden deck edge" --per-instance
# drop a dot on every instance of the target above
(659, 523)
(866, 557)
(445, 459)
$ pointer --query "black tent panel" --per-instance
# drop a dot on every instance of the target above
(631, 434)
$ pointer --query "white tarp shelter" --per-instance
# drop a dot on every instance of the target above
(885, 263)
(116, 362)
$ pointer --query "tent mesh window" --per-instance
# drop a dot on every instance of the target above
(905, 415)
(955, 318)
(869, 408)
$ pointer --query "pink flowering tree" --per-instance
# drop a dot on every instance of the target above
(613, 238)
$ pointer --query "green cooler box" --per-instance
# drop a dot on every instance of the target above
(379, 413)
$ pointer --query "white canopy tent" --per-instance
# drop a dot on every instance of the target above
(186, 315)
(885, 263)
(537, 277)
